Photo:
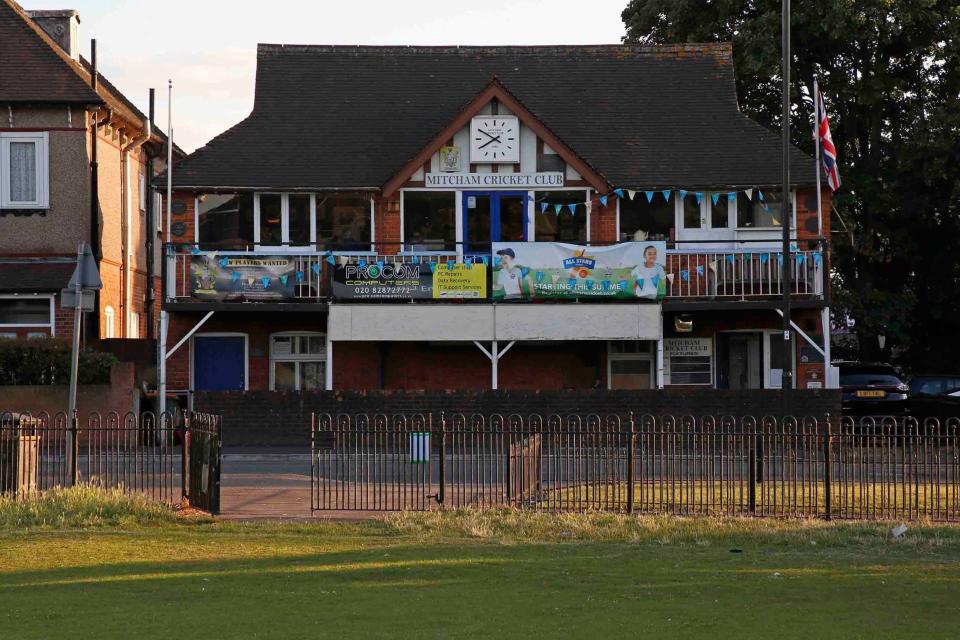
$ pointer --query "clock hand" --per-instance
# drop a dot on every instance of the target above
(485, 133)
(491, 140)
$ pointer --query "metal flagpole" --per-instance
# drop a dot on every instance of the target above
(825, 313)
(786, 379)
(162, 342)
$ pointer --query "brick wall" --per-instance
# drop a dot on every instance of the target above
(120, 396)
(269, 418)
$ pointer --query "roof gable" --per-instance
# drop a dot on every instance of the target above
(34, 69)
(495, 90)
(329, 117)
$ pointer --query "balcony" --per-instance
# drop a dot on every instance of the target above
(746, 272)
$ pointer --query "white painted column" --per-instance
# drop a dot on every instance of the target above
(162, 365)
(660, 361)
(328, 366)
(825, 320)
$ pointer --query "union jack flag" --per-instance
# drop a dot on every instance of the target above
(828, 152)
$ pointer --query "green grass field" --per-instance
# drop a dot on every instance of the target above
(476, 574)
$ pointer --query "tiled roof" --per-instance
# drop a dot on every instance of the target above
(35, 275)
(31, 70)
(642, 116)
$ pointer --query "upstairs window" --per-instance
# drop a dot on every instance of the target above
(343, 222)
(551, 226)
(756, 213)
(225, 220)
(429, 220)
(23, 170)
(641, 219)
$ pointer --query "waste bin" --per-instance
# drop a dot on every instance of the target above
(19, 455)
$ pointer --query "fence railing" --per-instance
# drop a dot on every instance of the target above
(746, 271)
(162, 457)
(811, 467)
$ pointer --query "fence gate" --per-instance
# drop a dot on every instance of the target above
(202, 462)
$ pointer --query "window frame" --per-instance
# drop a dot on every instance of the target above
(648, 356)
(296, 358)
(41, 141)
(51, 325)
(457, 221)
(109, 323)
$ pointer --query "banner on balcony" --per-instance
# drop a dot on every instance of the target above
(237, 278)
(630, 270)
(406, 281)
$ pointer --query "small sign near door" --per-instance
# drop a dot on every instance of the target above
(688, 361)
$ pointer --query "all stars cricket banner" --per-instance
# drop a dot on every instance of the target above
(631, 270)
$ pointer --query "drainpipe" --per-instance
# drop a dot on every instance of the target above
(126, 204)
(151, 230)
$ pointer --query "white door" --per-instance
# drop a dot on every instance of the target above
(706, 220)
(773, 359)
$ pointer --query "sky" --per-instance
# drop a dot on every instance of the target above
(208, 47)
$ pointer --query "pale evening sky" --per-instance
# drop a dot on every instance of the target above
(208, 47)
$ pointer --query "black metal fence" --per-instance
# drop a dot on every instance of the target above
(137, 453)
(813, 466)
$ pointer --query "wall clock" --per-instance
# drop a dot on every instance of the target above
(494, 139)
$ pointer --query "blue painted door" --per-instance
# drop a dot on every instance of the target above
(219, 363)
(493, 216)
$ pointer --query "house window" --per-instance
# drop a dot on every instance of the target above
(691, 211)
(642, 219)
(429, 220)
(109, 323)
(23, 170)
(343, 222)
(269, 212)
(283, 220)
(630, 365)
(18, 311)
(562, 226)
(298, 361)
(224, 220)
(756, 213)
(134, 331)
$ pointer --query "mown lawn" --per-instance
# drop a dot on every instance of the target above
(474, 575)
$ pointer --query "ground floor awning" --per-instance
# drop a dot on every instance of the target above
(488, 322)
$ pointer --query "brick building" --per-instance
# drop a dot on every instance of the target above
(76, 158)
(468, 218)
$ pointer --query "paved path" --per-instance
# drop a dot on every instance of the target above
(272, 486)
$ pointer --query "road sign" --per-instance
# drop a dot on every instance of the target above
(86, 272)
(68, 299)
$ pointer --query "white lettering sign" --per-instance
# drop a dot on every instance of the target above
(494, 180)
(688, 361)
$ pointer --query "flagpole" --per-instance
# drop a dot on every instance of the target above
(825, 312)
(786, 211)
(164, 320)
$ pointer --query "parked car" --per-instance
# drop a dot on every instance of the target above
(935, 396)
(873, 389)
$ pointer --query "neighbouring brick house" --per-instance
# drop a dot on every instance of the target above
(468, 218)
(76, 158)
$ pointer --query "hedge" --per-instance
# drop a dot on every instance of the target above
(43, 361)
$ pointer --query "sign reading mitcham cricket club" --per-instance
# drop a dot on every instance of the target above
(627, 271)
(406, 281)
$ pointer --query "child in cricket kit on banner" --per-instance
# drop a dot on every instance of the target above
(510, 275)
(649, 277)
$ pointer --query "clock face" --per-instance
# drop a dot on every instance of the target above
(495, 139)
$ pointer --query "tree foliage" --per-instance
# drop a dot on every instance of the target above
(890, 74)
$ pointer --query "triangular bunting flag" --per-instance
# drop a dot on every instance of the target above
(732, 196)
(760, 195)
(543, 207)
(224, 261)
(332, 260)
(666, 194)
(649, 195)
(699, 269)
(715, 197)
(631, 193)
(556, 208)
(195, 250)
(235, 275)
(619, 192)
(749, 193)
(265, 281)
(817, 258)
(486, 260)
(588, 205)
(299, 275)
(380, 264)
(573, 208)
(683, 194)
(699, 195)
(283, 280)
(603, 201)
(685, 275)
(801, 258)
(315, 267)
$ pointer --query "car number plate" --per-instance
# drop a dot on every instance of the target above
(871, 394)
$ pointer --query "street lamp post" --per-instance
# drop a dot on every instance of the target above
(786, 214)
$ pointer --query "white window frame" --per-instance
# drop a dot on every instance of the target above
(51, 326)
(285, 246)
(732, 233)
(649, 356)
(133, 330)
(296, 358)
(142, 190)
(109, 323)
(42, 142)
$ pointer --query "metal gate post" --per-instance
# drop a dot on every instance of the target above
(441, 492)
(218, 458)
(73, 455)
(185, 459)
(827, 471)
(631, 461)
(753, 471)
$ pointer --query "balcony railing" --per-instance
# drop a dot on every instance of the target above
(746, 272)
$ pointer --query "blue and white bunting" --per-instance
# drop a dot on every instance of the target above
(715, 197)
(649, 195)
(666, 194)
(556, 208)
(603, 201)
(543, 207)
(683, 194)
(573, 209)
